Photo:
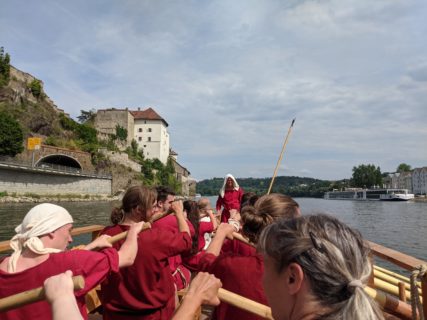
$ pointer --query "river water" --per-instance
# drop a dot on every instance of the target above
(398, 225)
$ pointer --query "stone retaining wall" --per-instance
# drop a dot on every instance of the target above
(21, 181)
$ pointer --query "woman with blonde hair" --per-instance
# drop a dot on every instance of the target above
(316, 268)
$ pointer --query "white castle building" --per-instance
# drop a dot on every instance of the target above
(146, 127)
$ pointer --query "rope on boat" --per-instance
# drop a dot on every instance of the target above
(417, 273)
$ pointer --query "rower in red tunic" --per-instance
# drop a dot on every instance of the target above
(165, 199)
(146, 289)
(230, 197)
(39, 253)
(241, 271)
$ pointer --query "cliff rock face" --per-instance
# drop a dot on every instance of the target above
(39, 116)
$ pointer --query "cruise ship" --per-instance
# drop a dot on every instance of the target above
(370, 194)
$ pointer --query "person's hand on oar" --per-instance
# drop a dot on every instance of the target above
(99, 243)
(203, 290)
(59, 293)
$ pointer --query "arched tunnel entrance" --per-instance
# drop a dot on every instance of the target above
(59, 162)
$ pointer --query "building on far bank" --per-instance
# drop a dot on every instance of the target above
(419, 181)
(150, 132)
(107, 120)
(146, 127)
(415, 181)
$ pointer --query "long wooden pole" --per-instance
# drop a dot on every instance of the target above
(245, 303)
(123, 235)
(33, 295)
(280, 157)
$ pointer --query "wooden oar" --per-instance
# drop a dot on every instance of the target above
(280, 157)
(33, 295)
(122, 235)
(245, 303)
(241, 238)
(390, 304)
(240, 302)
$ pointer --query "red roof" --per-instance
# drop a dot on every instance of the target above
(148, 114)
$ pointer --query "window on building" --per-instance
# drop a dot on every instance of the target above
(140, 130)
(149, 139)
(139, 138)
(145, 146)
(149, 129)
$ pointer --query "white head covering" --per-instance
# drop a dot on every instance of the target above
(236, 185)
(40, 220)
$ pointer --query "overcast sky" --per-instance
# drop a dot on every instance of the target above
(229, 76)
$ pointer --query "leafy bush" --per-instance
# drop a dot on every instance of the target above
(121, 133)
(36, 88)
(11, 136)
(4, 68)
(67, 123)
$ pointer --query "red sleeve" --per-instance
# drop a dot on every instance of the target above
(171, 243)
(219, 203)
(206, 261)
(205, 226)
(240, 194)
(94, 266)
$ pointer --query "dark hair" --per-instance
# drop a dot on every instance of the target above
(193, 216)
(248, 199)
(163, 192)
(267, 209)
(135, 196)
(332, 256)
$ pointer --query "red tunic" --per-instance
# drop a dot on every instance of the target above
(144, 290)
(237, 247)
(231, 200)
(94, 266)
(239, 274)
(181, 274)
(204, 227)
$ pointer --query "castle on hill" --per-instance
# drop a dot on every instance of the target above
(146, 127)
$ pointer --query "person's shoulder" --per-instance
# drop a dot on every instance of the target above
(112, 230)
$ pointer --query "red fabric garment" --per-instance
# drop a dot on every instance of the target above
(231, 200)
(144, 290)
(93, 266)
(237, 247)
(238, 274)
(181, 275)
(204, 227)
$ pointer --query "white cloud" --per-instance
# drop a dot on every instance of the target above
(230, 76)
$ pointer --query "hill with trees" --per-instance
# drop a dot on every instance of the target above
(290, 185)
(27, 111)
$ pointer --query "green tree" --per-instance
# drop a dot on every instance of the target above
(87, 116)
(11, 136)
(36, 88)
(4, 68)
(87, 134)
(121, 133)
(366, 176)
(403, 167)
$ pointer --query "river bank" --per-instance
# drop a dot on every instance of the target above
(56, 198)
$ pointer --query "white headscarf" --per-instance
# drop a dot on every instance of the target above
(40, 220)
(236, 185)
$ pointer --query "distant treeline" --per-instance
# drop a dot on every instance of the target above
(292, 186)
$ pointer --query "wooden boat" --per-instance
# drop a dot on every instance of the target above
(389, 289)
